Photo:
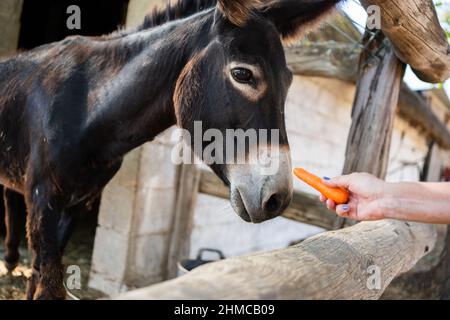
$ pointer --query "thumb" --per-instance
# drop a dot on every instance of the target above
(341, 181)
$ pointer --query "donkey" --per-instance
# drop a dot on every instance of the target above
(71, 110)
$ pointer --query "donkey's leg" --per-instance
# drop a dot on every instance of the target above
(35, 267)
(70, 218)
(43, 222)
(66, 226)
(15, 215)
(33, 245)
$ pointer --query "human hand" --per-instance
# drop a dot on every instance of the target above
(365, 199)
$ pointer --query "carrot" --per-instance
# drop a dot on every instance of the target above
(338, 195)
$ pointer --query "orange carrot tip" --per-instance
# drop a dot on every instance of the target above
(338, 195)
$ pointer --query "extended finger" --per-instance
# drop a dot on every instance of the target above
(344, 210)
(341, 181)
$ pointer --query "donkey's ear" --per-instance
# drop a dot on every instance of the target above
(293, 17)
(237, 11)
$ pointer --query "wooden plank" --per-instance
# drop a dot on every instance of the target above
(414, 108)
(305, 208)
(418, 38)
(179, 245)
(373, 113)
(324, 59)
(374, 108)
(212, 185)
(331, 265)
(337, 27)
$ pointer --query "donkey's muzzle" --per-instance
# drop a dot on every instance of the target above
(257, 197)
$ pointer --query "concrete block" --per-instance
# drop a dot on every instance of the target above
(211, 210)
(241, 238)
(110, 254)
(156, 167)
(102, 283)
(154, 211)
(231, 238)
(118, 198)
(147, 258)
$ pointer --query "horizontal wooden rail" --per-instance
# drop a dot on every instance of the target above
(324, 59)
(340, 61)
(358, 262)
(305, 208)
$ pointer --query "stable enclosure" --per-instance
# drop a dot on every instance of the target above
(154, 214)
(166, 213)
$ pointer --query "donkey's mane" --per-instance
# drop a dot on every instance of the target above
(237, 12)
(181, 9)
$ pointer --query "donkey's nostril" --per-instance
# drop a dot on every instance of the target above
(273, 204)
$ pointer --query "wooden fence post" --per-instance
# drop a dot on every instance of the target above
(180, 239)
(380, 75)
(379, 80)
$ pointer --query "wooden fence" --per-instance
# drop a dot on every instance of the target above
(360, 261)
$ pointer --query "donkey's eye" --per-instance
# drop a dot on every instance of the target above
(242, 75)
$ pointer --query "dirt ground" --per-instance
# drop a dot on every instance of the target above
(78, 252)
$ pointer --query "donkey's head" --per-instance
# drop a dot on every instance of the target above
(239, 79)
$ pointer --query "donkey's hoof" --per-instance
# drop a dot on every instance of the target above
(42, 293)
(32, 284)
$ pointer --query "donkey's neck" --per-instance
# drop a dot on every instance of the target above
(137, 104)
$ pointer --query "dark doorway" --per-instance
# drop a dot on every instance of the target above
(45, 21)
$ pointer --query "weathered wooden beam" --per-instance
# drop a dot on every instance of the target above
(305, 208)
(430, 277)
(332, 265)
(414, 107)
(180, 237)
(374, 108)
(340, 61)
(418, 38)
(377, 91)
(337, 27)
(324, 59)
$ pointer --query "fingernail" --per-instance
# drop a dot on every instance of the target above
(326, 178)
(345, 207)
